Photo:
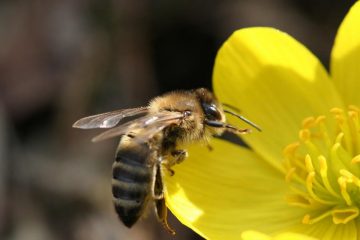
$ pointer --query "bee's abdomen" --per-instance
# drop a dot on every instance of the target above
(131, 182)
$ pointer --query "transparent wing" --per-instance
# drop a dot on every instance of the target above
(143, 128)
(109, 119)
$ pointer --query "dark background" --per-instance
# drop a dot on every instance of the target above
(62, 59)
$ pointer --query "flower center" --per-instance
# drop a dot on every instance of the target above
(323, 167)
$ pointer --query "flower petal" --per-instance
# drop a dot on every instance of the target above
(253, 235)
(345, 63)
(221, 193)
(276, 82)
(327, 230)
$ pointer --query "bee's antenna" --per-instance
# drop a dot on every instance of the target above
(243, 118)
(231, 107)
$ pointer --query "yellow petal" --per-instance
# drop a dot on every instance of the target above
(345, 57)
(253, 235)
(327, 230)
(223, 192)
(276, 82)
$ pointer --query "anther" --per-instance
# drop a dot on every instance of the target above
(336, 110)
(355, 159)
(308, 122)
(320, 119)
(290, 149)
(354, 108)
(304, 134)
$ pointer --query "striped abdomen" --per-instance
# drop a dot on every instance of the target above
(131, 181)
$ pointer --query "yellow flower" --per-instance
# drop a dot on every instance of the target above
(302, 173)
(252, 235)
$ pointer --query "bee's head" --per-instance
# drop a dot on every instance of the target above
(213, 111)
(214, 115)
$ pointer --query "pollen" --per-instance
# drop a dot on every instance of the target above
(323, 167)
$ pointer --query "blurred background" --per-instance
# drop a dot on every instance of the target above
(61, 60)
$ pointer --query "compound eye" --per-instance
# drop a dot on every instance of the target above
(211, 112)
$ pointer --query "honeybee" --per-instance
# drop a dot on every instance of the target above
(149, 142)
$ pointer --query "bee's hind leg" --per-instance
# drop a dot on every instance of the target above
(159, 199)
(161, 212)
(155, 188)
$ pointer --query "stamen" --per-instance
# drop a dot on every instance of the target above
(290, 174)
(335, 160)
(345, 215)
(289, 153)
(355, 159)
(307, 218)
(308, 122)
(320, 122)
(340, 157)
(354, 116)
(355, 129)
(304, 134)
(310, 168)
(341, 118)
(324, 177)
(299, 200)
(320, 119)
(339, 138)
(344, 193)
(322, 167)
(305, 137)
(350, 178)
(290, 149)
(309, 185)
(354, 108)
(336, 111)
(308, 164)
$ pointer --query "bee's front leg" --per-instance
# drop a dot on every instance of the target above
(175, 157)
(179, 155)
(171, 171)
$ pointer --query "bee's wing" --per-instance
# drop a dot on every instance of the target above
(108, 119)
(144, 127)
(149, 132)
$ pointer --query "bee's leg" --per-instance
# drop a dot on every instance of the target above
(227, 127)
(171, 172)
(167, 164)
(154, 188)
(179, 156)
(160, 206)
(161, 212)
